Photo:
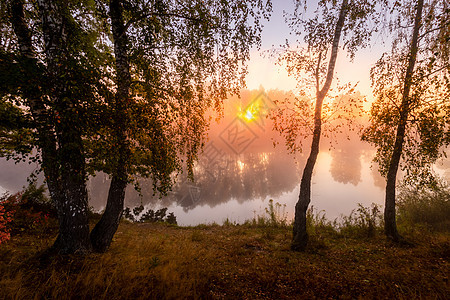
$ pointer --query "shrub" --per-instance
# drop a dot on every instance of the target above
(27, 210)
(149, 216)
(364, 221)
(171, 219)
(316, 219)
(34, 198)
(5, 219)
(275, 216)
(319, 227)
(425, 207)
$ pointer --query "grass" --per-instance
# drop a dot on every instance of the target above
(348, 258)
(157, 261)
(425, 208)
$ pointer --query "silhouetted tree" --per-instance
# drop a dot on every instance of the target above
(410, 118)
(313, 65)
(139, 111)
(173, 61)
(50, 66)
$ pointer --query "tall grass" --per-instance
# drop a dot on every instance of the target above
(362, 221)
(275, 216)
(249, 261)
(424, 207)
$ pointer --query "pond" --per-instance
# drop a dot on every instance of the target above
(239, 187)
(240, 170)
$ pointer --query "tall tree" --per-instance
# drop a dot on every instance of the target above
(72, 206)
(103, 232)
(314, 65)
(174, 60)
(410, 119)
(52, 68)
(30, 70)
(300, 235)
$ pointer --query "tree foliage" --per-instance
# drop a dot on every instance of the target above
(184, 58)
(308, 60)
(428, 122)
(59, 87)
(313, 64)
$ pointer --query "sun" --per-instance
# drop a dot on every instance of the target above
(250, 114)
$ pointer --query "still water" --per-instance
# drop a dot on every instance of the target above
(239, 186)
(240, 171)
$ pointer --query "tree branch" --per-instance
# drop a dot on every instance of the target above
(148, 14)
(317, 72)
(335, 47)
(433, 29)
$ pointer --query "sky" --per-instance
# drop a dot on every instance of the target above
(264, 72)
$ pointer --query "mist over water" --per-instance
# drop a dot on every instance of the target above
(240, 170)
(239, 186)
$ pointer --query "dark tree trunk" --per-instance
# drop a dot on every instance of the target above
(300, 234)
(73, 218)
(104, 231)
(72, 199)
(390, 225)
(32, 92)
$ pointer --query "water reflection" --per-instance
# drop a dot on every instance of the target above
(242, 178)
(346, 163)
(240, 169)
(235, 177)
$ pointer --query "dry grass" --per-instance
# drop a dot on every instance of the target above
(154, 261)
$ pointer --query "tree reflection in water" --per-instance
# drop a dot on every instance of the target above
(224, 175)
(244, 177)
(240, 177)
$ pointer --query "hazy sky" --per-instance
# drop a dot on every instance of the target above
(264, 72)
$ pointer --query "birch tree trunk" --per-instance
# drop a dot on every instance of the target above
(300, 235)
(102, 234)
(33, 95)
(390, 225)
(72, 204)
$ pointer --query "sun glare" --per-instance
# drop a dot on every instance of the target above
(251, 113)
(241, 165)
